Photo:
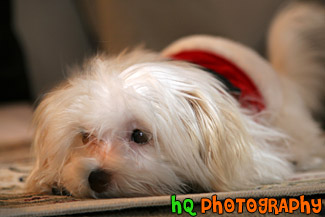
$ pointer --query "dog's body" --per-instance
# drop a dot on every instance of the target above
(141, 124)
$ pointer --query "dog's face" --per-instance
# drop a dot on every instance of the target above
(138, 125)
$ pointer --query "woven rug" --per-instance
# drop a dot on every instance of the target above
(15, 202)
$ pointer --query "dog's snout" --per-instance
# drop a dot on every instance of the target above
(99, 180)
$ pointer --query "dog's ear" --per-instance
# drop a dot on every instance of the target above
(223, 141)
(35, 181)
(48, 152)
(231, 144)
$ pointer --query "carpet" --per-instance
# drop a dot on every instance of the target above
(15, 202)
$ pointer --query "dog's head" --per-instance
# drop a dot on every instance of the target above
(139, 125)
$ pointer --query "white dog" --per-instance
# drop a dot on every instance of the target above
(223, 119)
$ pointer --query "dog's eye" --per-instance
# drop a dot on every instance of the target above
(139, 137)
(85, 137)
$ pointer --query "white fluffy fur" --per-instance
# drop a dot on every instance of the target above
(201, 139)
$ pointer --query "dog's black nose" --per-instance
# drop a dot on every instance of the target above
(99, 180)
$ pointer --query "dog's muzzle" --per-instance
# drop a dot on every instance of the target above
(99, 180)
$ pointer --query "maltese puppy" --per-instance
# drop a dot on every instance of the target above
(207, 114)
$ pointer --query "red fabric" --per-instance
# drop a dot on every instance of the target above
(250, 96)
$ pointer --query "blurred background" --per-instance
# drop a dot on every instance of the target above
(40, 39)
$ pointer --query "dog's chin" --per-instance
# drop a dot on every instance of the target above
(74, 175)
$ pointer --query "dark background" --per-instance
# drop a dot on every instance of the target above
(40, 39)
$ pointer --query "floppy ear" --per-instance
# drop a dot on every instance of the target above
(36, 180)
(225, 141)
(236, 150)
(49, 143)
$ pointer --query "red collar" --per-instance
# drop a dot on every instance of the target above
(249, 96)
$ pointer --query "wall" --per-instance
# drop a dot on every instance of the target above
(53, 36)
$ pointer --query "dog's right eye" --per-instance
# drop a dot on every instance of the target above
(85, 137)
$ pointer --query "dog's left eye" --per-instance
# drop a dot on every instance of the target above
(139, 137)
